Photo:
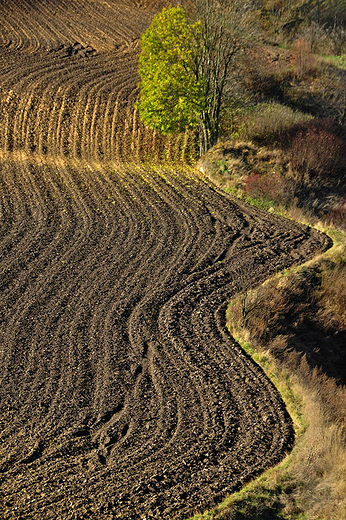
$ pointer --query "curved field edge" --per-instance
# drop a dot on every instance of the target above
(287, 491)
(310, 482)
(128, 274)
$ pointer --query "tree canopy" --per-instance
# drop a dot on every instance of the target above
(184, 65)
(171, 96)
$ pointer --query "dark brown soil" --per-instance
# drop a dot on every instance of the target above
(68, 78)
(122, 394)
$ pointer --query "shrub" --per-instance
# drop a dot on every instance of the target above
(304, 61)
(270, 122)
(316, 36)
(268, 186)
(337, 37)
(316, 151)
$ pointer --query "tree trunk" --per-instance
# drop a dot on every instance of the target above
(204, 138)
(208, 133)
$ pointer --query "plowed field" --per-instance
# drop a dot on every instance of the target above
(122, 394)
(68, 79)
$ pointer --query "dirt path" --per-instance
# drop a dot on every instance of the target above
(121, 391)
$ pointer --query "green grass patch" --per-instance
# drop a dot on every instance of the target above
(338, 61)
(260, 202)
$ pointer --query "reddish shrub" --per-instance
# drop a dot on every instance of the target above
(317, 150)
(270, 186)
(305, 62)
(326, 124)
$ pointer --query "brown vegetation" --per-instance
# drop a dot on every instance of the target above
(304, 312)
(317, 152)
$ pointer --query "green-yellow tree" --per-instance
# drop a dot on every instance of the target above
(185, 62)
(171, 97)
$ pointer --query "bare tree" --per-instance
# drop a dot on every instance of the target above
(227, 27)
(248, 302)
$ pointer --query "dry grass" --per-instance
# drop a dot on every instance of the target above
(269, 122)
(332, 298)
(319, 461)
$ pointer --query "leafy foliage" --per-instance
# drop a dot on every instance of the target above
(171, 97)
(185, 61)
